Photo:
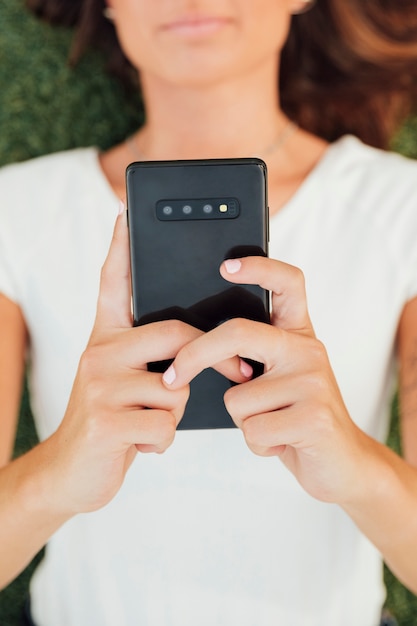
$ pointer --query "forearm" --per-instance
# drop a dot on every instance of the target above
(13, 341)
(384, 507)
(28, 516)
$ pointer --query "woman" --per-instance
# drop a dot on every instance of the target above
(210, 533)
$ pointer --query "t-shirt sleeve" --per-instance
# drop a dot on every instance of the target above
(34, 196)
(413, 278)
(8, 286)
(395, 208)
(407, 243)
(9, 247)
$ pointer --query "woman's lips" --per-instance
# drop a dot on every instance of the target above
(196, 26)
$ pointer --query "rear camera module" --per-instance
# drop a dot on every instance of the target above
(194, 209)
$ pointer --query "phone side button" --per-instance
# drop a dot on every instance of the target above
(267, 225)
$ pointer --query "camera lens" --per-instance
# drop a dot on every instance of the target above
(167, 210)
(207, 208)
(186, 209)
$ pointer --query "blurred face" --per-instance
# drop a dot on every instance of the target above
(191, 42)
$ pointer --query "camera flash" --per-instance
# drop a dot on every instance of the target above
(223, 208)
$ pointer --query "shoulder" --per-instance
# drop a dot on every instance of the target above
(50, 170)
(52, 196)
(370, 186)
(54, 207)
(376, 194)
(370, 169)
(36, 193)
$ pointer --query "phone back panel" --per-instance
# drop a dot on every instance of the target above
(176, 255)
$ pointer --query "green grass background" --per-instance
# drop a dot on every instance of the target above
(44, 107)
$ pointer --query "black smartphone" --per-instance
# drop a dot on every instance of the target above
(185, 218)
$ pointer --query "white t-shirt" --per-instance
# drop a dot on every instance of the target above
(208, 533)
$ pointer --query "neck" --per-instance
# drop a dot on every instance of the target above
(230, 118)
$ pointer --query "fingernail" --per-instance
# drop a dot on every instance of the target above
(232, 265)
(246, 369)
(121, 207)
(169, 375)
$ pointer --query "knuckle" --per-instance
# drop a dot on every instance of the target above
(319, 351)
(97, 407)
(188, 352)
(178, 327)
(178, 403)
(93, 378)
(298, 277)
(96, 427)
(251, 432)
(323, 417)
(174, 328)
(166, 430)
(182, 395)
(318, 383)
(255, 435)
(237, 328)
(87, 364)
(91, 360)
(233, 403)
(169, 424)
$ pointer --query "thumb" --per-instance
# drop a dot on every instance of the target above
(114, 300)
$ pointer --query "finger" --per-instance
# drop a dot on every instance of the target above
(272, 433)
(114, 301)
(267, 393)
(307, 438)
(235, 369)
(304, 380)
(137, 346)
(150, 392)
(245, 338)
(149, 430)
(158, 341)
(262, 433)
(285, 282)
(280, 351)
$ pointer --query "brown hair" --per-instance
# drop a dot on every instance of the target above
(349, 66)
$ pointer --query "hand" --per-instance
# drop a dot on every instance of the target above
(116, 406)
(295, 409)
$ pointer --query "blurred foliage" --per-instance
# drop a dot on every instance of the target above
(12, 599)
(401, 602)
(405, 140)
(46, 106)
